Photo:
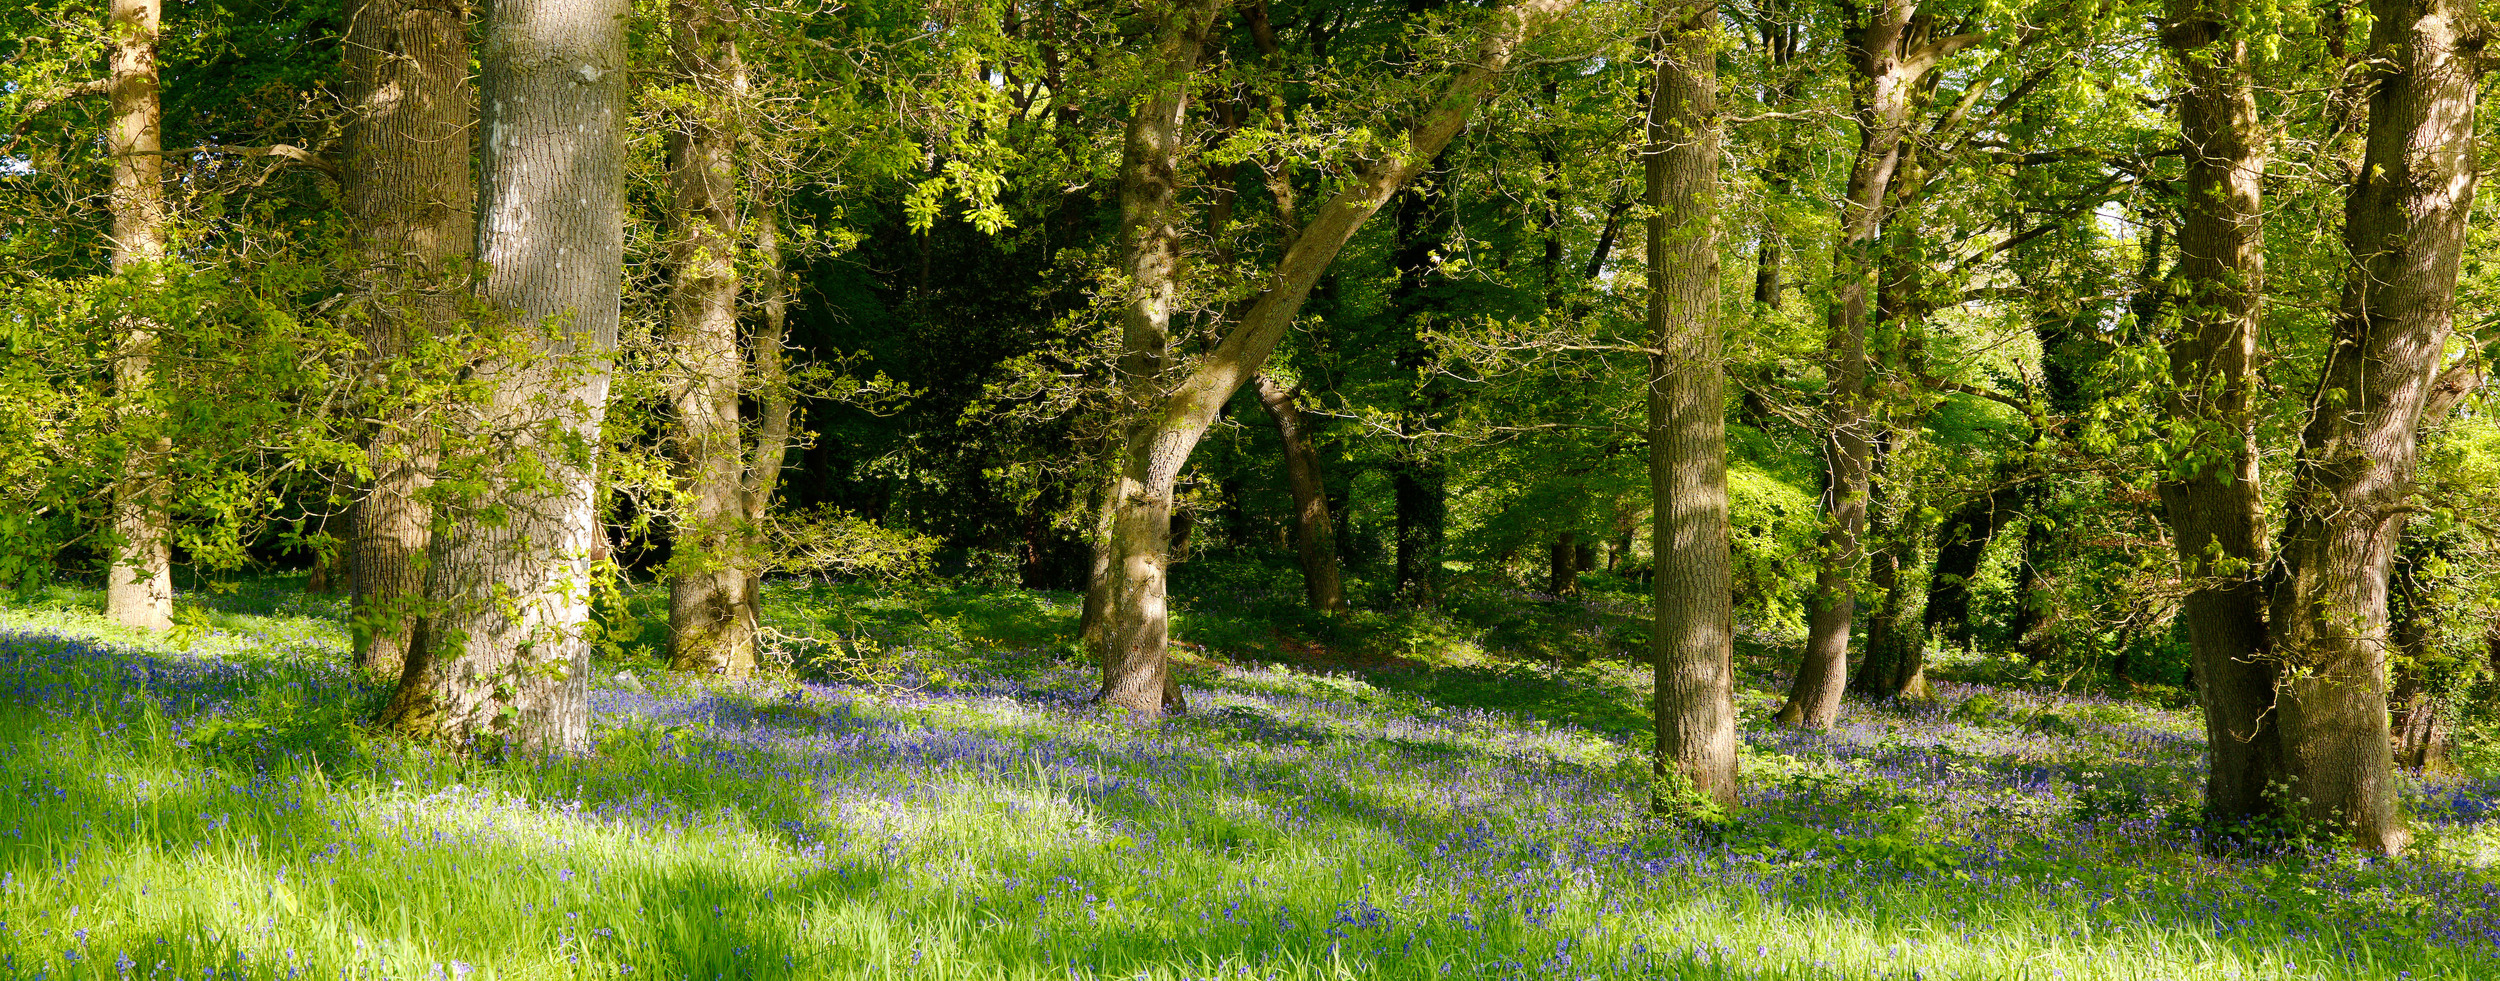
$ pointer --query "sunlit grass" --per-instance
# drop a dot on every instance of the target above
(203, 808)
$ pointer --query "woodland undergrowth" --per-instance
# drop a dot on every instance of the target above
(924, 793)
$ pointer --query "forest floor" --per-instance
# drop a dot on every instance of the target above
(1459, 796)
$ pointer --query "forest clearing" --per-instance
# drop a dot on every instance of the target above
(1265, 489)
(194, 809)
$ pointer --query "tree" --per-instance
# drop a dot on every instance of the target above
(500, 662)
(1892, 49)
(2211, 500)
(711, 600)
(1314, 533)
(1693, 636)
(139, 584)
(2405, 224)
(1165, 415)
(405, 186)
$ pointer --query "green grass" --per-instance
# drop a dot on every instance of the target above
(204, 806)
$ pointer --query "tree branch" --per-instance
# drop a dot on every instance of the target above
(26, 116)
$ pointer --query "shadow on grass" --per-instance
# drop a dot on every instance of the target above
(728, 877)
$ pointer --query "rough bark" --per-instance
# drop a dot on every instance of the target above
(2405, 224)
(500, 664)
(1133, 626)
(1891, 53)
(711, 610)
(405, 186)
(1131, 644)
(139, 579)
(1314, 532)
(2212, 497)
(1693, 634)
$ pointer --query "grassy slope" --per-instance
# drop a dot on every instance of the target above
(203, 810)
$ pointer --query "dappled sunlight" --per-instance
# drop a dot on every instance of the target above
(1296, 826)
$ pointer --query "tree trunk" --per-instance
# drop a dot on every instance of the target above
(500, 664)
(711, 613)
(2211, 500)
(1693, 635)
(1133, 623)
(776, 404)
(1891, 53)
(1562, 564)
(1314, 533)
(1783, 36)
(1165, 428)
(1419, 489)
(1419, 479)
(2405, 225)
(1959, 549)
(405, 185)
(1895, 659)
(139, 581)
(2422, 738)
(2037, 615)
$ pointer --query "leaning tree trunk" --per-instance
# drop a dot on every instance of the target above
(1692, 639)
(409, 199)
(2405, 226)
(711, 612)
(139, 581)
(1891, 54)
(2211, 498)
(500, 664)
(1960, 546)
(1165, 428)
(1314, 533)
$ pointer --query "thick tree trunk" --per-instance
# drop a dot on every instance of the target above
(410, 202)
(1891, 52)
(1693, 636)
(139, 581)
(711, 612)
(1132, 624)
(1094, 614)
(2405, 225)
(1314, 532)
(500, 664)
(2037, 616)
(2211, 499)
(1164, 429)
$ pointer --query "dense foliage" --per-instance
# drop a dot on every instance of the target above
(2039, 451)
